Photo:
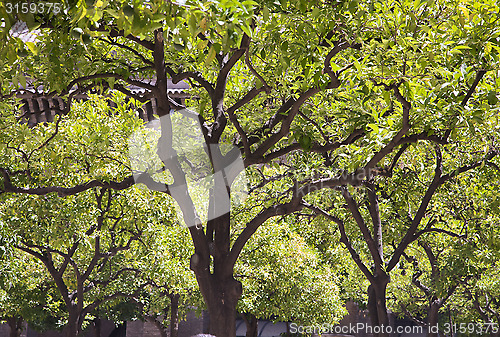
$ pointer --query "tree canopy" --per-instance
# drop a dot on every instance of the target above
(367, 114)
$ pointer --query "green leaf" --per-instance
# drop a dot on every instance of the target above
(86, 39)
(210, 56)
(492, 97)
(21, 52)
(202, 44)
(32, 46)
(305, 142)
(353, 6)
(128, 11)
(22, 80)
(246, 29)
(193, 25)
(114, 13)
(76, 32)
(373, 126)
(265, 14)
(179, 47)
(204, 24)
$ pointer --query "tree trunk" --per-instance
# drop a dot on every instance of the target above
(71, 328)
(15, 325)
(377, 307)
(251, 323)
(433, 317)
(220, 290)
(372, 306)
(174, 315)
(157, 321)
(221, 297)
(97, 327)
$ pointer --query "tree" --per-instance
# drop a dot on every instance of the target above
(83, 241)
(435, 278)
(286, 280)
(441, 269)
(482, 299)
(26, 293)
(173, 291)
(98, 270)
(475, 299)
(343, 87)
(436, 267)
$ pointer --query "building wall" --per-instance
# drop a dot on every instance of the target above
(136, 329)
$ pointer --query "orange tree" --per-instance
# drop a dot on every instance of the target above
(341, 87)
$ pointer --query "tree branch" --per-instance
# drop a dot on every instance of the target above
(254, 92)
(345, 240)
(259, 219)
(64, 191)
(113, 32)
(408, 238)
(135, 52)
(317, 148)
(266, 87)
(372, 245)
(195, 75)
(374, 210)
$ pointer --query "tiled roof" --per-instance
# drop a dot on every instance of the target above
(39, 110)
(20, 30)
(177, 88)
(43, 109)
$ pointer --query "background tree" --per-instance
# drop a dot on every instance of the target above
(173, 291)
(476, 298)
(436, 276)
(286, 280)
(26, 294)
(86, 268)
(83, 241)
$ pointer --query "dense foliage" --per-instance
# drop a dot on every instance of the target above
(377, 118)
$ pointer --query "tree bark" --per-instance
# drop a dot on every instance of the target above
(174, 315)
(97, 327)
(221, 297)
(72, 327)
(70, 330)
(433, 317)
(251, 323)
(15, 325)
(222, 309)
(372, 306)
(377, 306)
(162, 329)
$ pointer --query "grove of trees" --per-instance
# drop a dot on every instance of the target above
(368, 133)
